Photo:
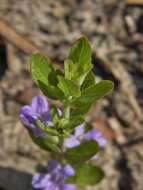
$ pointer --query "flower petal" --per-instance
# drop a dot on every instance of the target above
(27, 115)
(69, 187)
(97, 136)
(37, 132)
(41, 181)
(53, 165)
(101, 141)
(68, 170)
(40, 105)
(47, 118)
(79, 130)
(71, 142)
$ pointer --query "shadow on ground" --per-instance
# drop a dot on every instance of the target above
(11, 179)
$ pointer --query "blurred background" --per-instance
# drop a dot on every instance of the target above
(115, 31)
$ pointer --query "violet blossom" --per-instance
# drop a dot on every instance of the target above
(38, 109)
(80, 135)
(55, 178)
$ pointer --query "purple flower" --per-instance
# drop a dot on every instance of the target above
(39, 109)
(80, 136)
(55, 178)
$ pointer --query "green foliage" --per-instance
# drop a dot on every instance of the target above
(53, 77)
(45, 75)
(86, 175)
(69, 69)
(89, 95)
(51, 91)
(81, 52)
(50, 130)
(82, 153)
(45, 143)
(69, 88)
(79, 64)
(89, 81)
(75, 121)
(92, 94)
(77, 90)
(55, 114)
(40, 67)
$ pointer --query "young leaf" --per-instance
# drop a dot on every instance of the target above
(82, 71)
(50, 130)
(81, 52)
(76, 72)
(81, 110)
(40, 67)
(89, 81)
(68, 87)
(86, 175)
(53, 77)
(50, 91)
(75, 121)
(82, 153)
(88, 127)
(80, 55)
(44, 144)
(69, 69)
(92, 94)
(55, 114)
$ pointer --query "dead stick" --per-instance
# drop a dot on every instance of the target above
(134, 2)
(15, 38)
(12, 36)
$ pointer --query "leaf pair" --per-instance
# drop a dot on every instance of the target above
(45, 143)
(78, 64)
(85, 173)
(89, 95)
(82, 153)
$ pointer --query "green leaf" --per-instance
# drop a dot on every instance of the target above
(63, 123)
(83, 109)
(50, 130)
(89, 81)
(44, 144)
(68, 87)
(70, 69)
(72, 122)
(53, 77)
(86, 175)
(82, 71)
(40, 67)
(76, 72)
(79, 63)
(82, 153)
(50, 91)
(75, 121)
(81, 52)
(55, 114)
(88, 127)
(92, 94)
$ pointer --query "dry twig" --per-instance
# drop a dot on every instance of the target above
(15, 38)
(134, 2)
